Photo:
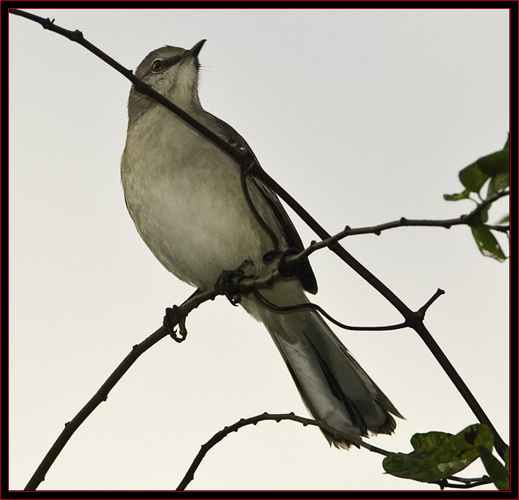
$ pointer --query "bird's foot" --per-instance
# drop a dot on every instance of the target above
(228, 283)
(171, 318)
(287, 268)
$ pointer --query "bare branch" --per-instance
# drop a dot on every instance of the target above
(429, 303)
(219, 436)
(462, 483)
(244, 160)
(315, 307)
(463, 220)
(102, 394)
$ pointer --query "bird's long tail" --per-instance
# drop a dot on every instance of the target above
(333, 386)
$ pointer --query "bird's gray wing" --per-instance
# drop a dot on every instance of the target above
(305, 273)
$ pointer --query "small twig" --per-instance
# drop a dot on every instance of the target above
(469, 480)
(429, 303)
(463, 483)
(499, 228)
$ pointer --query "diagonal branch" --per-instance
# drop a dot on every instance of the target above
(102, 394)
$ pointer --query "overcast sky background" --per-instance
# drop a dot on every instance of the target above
(364, 116)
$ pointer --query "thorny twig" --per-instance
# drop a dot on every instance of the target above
(102, 394)
(463, 220)
(451, 482)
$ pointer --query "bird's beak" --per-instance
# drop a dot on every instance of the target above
(193, 51)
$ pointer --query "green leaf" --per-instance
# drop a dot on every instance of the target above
(429, 440)
(473, 178)
(495, 163)
(439, 455)
(487, 242)
(496, 470)
(498, 183)
(458, 196)
(504, 219)
(507, 143)
(483, 215)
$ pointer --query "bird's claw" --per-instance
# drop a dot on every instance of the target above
(228, 283)
(171, 318)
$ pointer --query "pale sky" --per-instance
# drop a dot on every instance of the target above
(364, 116)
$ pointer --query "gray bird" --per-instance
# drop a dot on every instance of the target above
(186, 199)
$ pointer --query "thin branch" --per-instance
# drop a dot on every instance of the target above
(463, 220)
(315, 307)
(463, 483)
(102, 394)
(219, 436)
(499, 228)
(249, 165)
(243, 159)
(430, 302)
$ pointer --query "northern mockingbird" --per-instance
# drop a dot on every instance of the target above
(186, 199)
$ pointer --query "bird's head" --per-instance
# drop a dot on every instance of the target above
(171, 71)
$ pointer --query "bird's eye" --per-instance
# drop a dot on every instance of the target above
(157, 66)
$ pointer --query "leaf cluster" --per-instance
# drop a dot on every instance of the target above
(493, 171)
(437, 456)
